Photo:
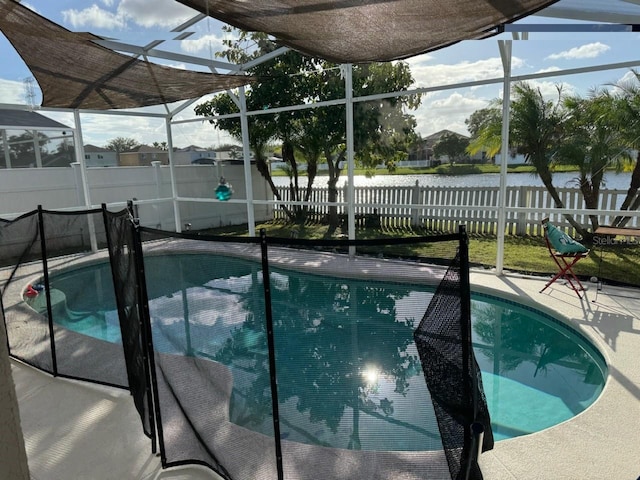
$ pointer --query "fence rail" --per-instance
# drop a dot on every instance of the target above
(443, 208)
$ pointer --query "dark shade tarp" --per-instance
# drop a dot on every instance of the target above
(74, 72)
(357, 31)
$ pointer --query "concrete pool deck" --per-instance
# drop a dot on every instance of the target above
(75, 430)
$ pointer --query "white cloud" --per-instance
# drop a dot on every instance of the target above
(426, 75)
(547, 70)
(94, 16)
(162, 13)
(29, 6)
(549, 89)
(12, 92)
(590, 50)
(204, 44)
(440, 112)
(165, 13)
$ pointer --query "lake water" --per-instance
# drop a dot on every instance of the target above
(613, 181)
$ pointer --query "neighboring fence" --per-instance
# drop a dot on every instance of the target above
(23, 189)
(443, 208)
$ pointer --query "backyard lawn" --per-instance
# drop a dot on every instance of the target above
(617, 264)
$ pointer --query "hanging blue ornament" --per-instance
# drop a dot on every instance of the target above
(224, 190)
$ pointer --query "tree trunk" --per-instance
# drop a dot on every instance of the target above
(545, 176)
(590, 194)
(334, 175)
(263, 168)
(299, 212)
(312, 170)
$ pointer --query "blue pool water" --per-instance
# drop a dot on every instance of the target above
(348, 371)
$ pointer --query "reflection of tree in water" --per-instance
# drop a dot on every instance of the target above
(328, 336)
(514, 336)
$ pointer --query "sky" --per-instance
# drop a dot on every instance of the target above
(132, 21)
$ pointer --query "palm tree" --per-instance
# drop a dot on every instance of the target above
(593, 143)
(627, 104)
(536, 130)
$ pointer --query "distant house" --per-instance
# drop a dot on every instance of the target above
(194, 155)
(421, 153)
(31, 140)
(99, 157)
(143, 156)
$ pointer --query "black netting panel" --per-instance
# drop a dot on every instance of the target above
(27, 324)
(206, 306)
(129, 300)
(351, 399)
(79, 288)
(444, 344)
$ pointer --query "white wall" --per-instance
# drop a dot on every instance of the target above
(22, 190)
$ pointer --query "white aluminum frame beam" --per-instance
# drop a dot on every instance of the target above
(505, 47)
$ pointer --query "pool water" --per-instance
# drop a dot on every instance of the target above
(348, 371)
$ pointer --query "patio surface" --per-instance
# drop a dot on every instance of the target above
(79, 431)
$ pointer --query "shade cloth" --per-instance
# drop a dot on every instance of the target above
(355, 31)
(74, 72)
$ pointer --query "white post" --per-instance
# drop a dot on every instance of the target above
(351, 196)
(415, 200)
(174, 188)
(505, 53)
(7, 155)
(79, 151)
(36, 149)
(246, 153)
(157, 175)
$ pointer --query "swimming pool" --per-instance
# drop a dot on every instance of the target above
(348, 371)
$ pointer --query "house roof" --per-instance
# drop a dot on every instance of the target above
(28, 120)
(434, 137)
(93, 148)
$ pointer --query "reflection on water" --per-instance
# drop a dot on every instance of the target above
(612, 181)
(347, 368)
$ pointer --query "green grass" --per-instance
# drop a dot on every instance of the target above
(618, 264)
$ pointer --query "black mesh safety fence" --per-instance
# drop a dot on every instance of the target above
(79, 295)
(29, 335)
(443, 338)
(58, 298)
(258, 357)
(294, 359)
(129, 302)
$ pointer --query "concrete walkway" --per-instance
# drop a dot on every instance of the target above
(77, 431)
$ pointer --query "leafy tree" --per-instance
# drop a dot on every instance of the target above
(485, 126)
(161, 145)
(452, 146)
(381, 128)
(121, 144)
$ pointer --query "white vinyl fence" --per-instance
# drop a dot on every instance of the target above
(436, 208)
(443, 208)
(23, 189)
